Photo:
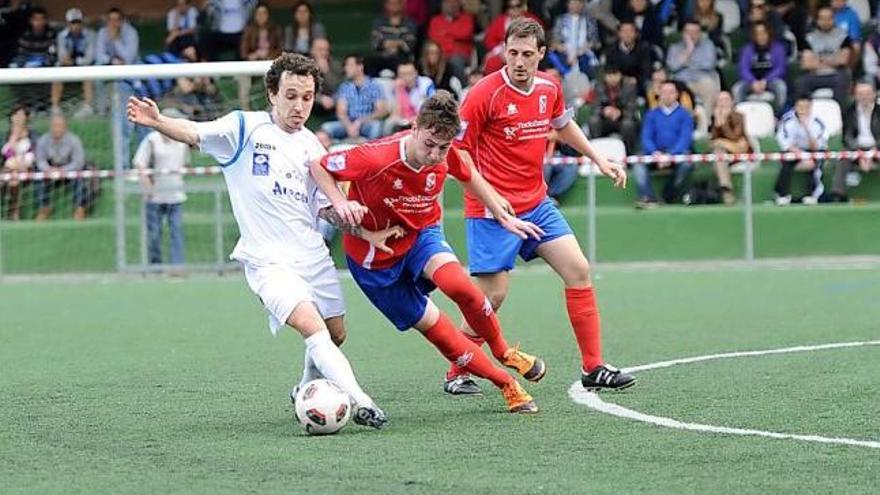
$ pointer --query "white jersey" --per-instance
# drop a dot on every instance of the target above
(274, 198)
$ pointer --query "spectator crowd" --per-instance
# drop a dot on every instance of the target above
(666, 77)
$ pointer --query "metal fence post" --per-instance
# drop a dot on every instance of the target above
(591, 214)
(749, 226)
(143, 231)
(119, 152)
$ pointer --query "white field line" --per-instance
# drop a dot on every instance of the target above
(593, 401)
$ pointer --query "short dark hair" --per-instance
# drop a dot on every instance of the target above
(692, 20)
(439, 113)
(358, 58)
(38, 11)
(669, 81)
(115, 10)
(296, 64)
(525, 27)
(802, 97)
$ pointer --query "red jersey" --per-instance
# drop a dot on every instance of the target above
(505, 130)
(394, 192)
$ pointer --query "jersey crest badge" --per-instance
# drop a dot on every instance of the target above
(398, 184)
(261, 164)
(335, 163)
(430, 182)
(511, 109)
(542, 104)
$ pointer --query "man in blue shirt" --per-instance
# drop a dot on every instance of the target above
(846, 18)
(667, 130)
(360, 104)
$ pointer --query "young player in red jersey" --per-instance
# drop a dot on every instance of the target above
(398, 180)
(506, 118)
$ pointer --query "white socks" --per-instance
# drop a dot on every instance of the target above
(332, 364)
(310, 371)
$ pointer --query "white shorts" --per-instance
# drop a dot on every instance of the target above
(282, 288)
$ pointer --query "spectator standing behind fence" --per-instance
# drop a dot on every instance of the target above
(666, 131)
(801, 131)
(616, 107)
(728, 132)
(453, 31)
(117, 42)
(75, 47)
(17, 155)
(60, 151)
(182, 23)
(692, 61)
(861, 131)
(360, 104)
(394, 37)
(331, 70)
(410, 90)
(826, 58)
(302, 33)
(762, 67)
(36, 46)
(261, 40)
(163, 190)
(228, 19)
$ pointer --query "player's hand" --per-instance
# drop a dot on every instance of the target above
(521, 228)
(351, 212)
(615, 171)
(379, 238)
(143, 111)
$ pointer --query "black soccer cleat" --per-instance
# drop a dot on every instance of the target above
(462, 385)
(606, 377)
(370, 416)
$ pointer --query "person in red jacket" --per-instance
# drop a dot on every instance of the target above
(453, 30)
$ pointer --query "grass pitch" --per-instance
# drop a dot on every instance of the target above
(160, 387)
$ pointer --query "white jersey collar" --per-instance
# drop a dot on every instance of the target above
(512, 86)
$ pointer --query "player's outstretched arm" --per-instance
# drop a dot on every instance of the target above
(377, 238)
(145, 112)
(573, 136)
(483, 191)
(349, 212)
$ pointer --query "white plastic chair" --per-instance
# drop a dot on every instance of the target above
(730, 13)
(611, 147)
(862, 8)
(828, 112)
(760, 123)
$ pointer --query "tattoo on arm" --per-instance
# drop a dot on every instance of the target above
(333, 218)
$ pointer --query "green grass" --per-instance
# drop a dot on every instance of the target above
(160, 387)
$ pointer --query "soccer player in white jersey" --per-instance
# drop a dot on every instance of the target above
(265, 159)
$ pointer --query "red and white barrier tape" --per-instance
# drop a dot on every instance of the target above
(689, 158)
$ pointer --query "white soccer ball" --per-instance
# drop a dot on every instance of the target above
(322, 408)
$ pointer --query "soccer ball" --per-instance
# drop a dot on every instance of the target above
(322, 408)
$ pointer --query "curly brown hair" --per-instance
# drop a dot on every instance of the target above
(439, 113)
(296, 64)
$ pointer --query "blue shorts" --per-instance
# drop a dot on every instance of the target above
(492, 249)
(400, 292)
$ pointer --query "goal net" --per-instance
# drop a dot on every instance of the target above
(72, 197)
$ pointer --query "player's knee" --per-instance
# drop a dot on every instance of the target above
(578, 275)
(338, 335)
(496, 299)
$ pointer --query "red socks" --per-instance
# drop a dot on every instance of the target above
(452, 280)
(454, 369)
(584, 316)
(461, 351)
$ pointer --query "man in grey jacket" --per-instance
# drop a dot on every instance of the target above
(59, 151)
(692, 61)
(75, 47)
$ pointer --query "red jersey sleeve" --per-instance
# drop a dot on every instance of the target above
(457, 167)
(474, 114)
(561, 115)
(351, 164)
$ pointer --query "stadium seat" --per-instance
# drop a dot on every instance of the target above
(862, 8)
(611, 147)
(729, 11)
(829, 112)
(760, 123)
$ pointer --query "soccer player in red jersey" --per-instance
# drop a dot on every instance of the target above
(398, 180)
(506, 118)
